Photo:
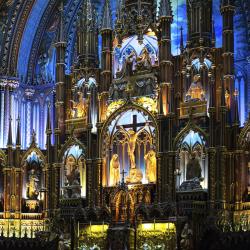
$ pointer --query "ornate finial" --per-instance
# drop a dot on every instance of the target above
(213, 34)
(236, 108)
(106, 18)
(33, 137)
(181, 41)
(18, 136)
(72, 130)
(9, 143)
(48, 129)
(223, 99)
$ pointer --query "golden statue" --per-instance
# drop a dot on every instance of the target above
(79, 108)
(195, 91)
(150, 160)
(114, 170)
(32, 185)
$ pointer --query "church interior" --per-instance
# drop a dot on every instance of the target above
(124, 124)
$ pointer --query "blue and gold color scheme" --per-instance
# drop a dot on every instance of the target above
(124, 124)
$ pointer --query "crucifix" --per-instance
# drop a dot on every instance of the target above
(132, 135)
(123, 176)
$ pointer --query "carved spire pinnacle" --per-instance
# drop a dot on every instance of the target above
(119, 10)
(61, 37)
(213, 34)
(165, 9)
(106, 18)
(9, 143)
(33, 137)
(48, 129)
(18, 135)
(223, 100)
(181, 41)
(88, 16)
(211, 94)
(236, 108)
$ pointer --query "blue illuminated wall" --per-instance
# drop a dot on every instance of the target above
(29, 35)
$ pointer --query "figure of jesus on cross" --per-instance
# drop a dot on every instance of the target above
(132, 136)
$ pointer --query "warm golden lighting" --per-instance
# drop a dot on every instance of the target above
(113, 106)
(160, 227)
(97, 228)
(148, 103)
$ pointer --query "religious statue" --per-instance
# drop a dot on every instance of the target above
(114, 170)
(195, 91)
(80, 107)
(144, 60)
(150, 160)
(135, 175)
(193, 168)
(186, 237)
(129, 63)
(73, 177)
(32, 185)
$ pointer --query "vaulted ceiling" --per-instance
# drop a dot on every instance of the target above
(27, 28)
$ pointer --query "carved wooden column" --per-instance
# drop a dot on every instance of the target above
(211, 176)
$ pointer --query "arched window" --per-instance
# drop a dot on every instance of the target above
(131, 45)
(192, 162)
(129, 150)
(33, 183)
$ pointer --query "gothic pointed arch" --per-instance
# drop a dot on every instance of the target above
(126, 106)
(72, 140)
(33, 148)
(189, 126)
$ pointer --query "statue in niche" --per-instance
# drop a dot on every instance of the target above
(150, 160)
(135, 175)
(129, 63)
(114, 170)
(193, 168)
(80, 107)
(143, 61)
(73, 177)
(32, 185)
(195, 92)
(72, 180)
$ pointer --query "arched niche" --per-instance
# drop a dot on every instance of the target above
(73, 173)
(84, 96)
(130, 45)
(33, 192)
(129, 145)
(192, 161)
